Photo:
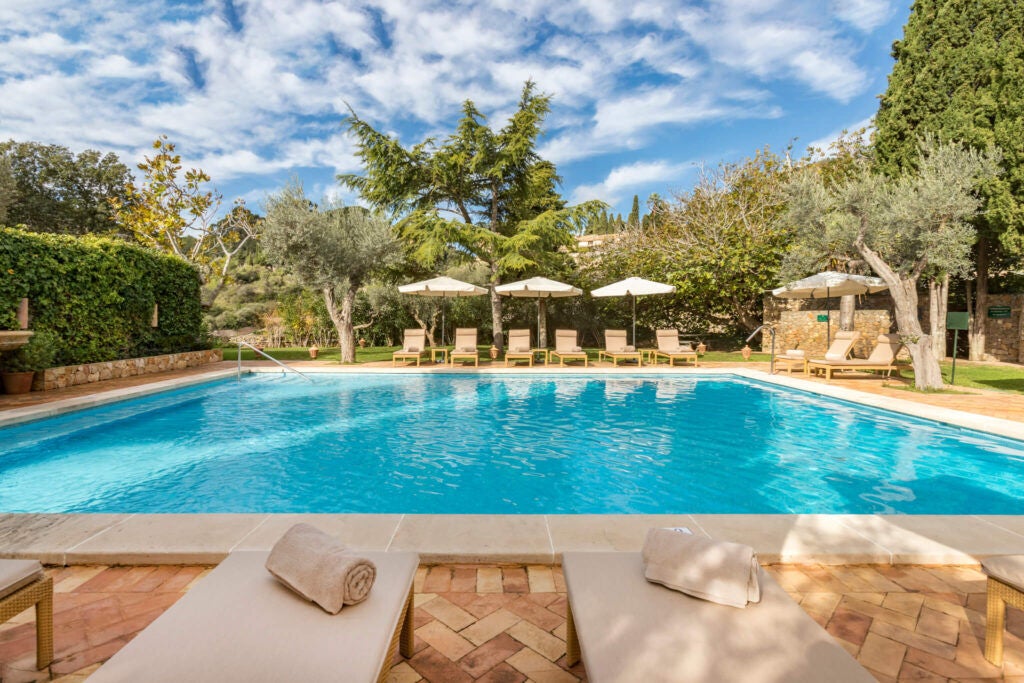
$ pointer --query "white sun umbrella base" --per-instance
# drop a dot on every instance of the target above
(634, 287)
(443, 287)
(828, 284)
(541, 289)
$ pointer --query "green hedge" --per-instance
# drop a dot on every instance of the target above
(97, 294)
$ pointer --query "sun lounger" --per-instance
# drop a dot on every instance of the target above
(883, 357)
(616, 349)
(465, 346)
(566, 348)
(519, 347)
(1005, 586)
(632, 631)
(241, 624)
(22, 585)
(670, 348)
(842, 345)
(414, 347)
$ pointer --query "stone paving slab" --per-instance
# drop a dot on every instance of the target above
(794, 539)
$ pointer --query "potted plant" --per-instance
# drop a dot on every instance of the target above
(313, 351)
(18, 368)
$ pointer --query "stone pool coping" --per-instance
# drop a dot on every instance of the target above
(61, 539)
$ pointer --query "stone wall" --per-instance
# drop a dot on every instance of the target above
(801, 330)
(72, 375)
(1004, 337)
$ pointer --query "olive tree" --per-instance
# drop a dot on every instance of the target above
(901, 227)
(335, 250)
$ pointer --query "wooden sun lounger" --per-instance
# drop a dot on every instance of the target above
(838, 350)
(882, 359)
(518, 347)
(616, 349)
(566, 348)
(629, 630)
(465, 346)
(414, 347)
(670, 348)
(241, 624)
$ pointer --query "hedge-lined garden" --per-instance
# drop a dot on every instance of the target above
(96, 296)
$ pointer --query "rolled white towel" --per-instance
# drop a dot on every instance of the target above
(466, 349)
(722, 572)
(320, 569)
(577, 349)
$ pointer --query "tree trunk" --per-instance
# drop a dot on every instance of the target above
(903, 290)
(342, 319)
(938, 305)
(542, 323)
(499, 337)
(976, 335)
(847, 305)
(429, 329)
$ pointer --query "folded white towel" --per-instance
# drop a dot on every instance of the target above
(577, 349)
(520, 349)
(466, 349)
(629, 348)
(835, 357)
(320, 569)
(718, 571)
(411, 349)
(795, 353)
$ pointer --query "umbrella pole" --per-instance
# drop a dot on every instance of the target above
(443, 297)
(828, 317)
(634, 321)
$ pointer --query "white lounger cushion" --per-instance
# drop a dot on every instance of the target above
(634, 631)
(16, 574)
(240, 624)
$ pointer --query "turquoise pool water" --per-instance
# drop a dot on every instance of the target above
(502, 444)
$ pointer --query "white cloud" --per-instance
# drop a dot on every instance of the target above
(823, 143)
(629, 177)
(864, 14)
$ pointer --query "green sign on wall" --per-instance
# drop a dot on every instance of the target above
(957, 320)
(999, 311)
(823, 317)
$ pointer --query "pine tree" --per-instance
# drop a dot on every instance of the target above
(634, 213)
(959, 75)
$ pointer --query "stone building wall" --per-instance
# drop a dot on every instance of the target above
(72, 375)
(1005, 336)
(801, 330)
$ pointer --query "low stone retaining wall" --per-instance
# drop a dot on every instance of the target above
(802, 330)
(73, 375)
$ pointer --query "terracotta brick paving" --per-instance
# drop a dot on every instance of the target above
(498, 624)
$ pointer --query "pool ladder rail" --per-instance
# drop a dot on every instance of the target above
(271, 359)
(771, 330)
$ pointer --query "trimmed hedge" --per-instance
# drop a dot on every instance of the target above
(97, 294)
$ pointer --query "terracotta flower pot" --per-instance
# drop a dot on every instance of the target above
(745, 351)
(313, 351)
(17, 382)
(493, 351)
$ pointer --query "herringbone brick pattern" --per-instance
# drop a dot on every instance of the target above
(508, 623)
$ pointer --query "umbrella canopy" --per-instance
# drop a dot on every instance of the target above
(540, 288)
(634, 287)
(442, 287)
(827, 285)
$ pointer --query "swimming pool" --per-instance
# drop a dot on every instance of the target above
(556, 444)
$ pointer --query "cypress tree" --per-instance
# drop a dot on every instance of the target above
(634, 214)
(959, 75)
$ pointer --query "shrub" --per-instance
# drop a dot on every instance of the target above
(97, 295)
(36, 355)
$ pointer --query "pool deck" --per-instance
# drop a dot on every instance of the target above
(65, 539)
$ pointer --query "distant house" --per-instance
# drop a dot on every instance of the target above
(591, 241)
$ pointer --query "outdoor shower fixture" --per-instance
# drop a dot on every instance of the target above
(771, 330)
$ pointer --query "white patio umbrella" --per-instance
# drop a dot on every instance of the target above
(443, 287)
(634, 287)
(541, 289)
(827, 285)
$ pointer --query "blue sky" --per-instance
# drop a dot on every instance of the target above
(254, 91)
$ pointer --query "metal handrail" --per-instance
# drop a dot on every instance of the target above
(274, 360)
(771, 329)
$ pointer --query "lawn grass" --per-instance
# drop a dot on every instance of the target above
(383, 353)
(1009, 378)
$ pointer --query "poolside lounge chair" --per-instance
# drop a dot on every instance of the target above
(519, 347)
(616, 349)
(465, 346)
(631, 631)
(670, 348)
(241, 624)
(883, 357)
(842, 345)
(566, 347)
(22, 585)
(414, 347)
(1005, 587)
